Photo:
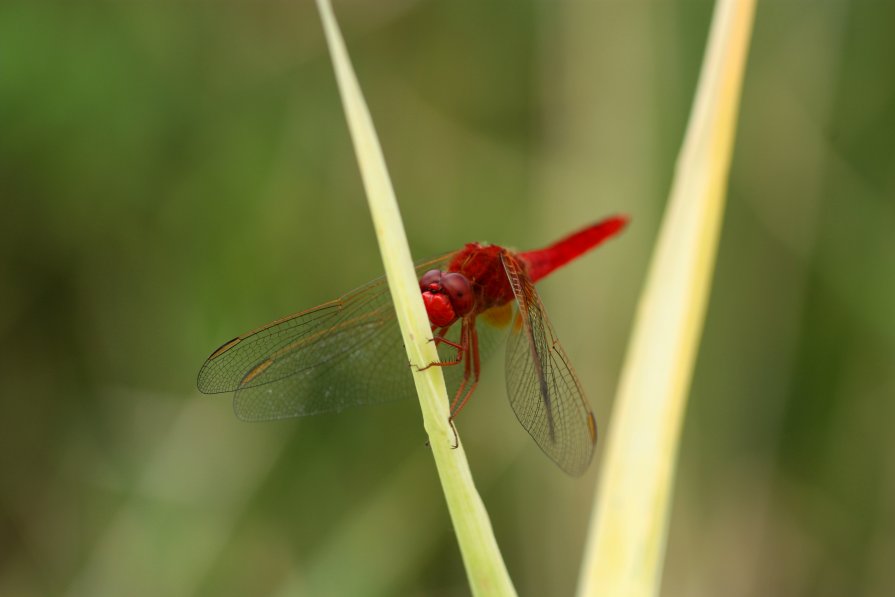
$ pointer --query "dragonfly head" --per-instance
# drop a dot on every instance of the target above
(447, 296)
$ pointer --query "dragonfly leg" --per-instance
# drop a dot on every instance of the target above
(461, 391)
(456, 443)
(461, 348)
(439, 337)
(472, 369)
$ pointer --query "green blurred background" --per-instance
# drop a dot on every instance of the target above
(175, 173)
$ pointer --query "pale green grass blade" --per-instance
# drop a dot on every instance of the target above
(628, 532)
(481, 557)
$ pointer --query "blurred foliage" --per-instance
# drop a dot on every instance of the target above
(174, 173)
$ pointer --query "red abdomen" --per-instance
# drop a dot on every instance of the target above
(544, 261)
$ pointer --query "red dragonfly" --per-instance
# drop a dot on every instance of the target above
(349, 352)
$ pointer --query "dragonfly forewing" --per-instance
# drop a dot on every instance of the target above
(344, 353)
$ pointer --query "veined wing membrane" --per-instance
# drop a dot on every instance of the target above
(343, 353)
(543, 389)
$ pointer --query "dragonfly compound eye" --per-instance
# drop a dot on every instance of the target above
(457, 287)
(431, 280)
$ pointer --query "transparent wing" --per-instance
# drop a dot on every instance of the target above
(343, 353)
(542, 387)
